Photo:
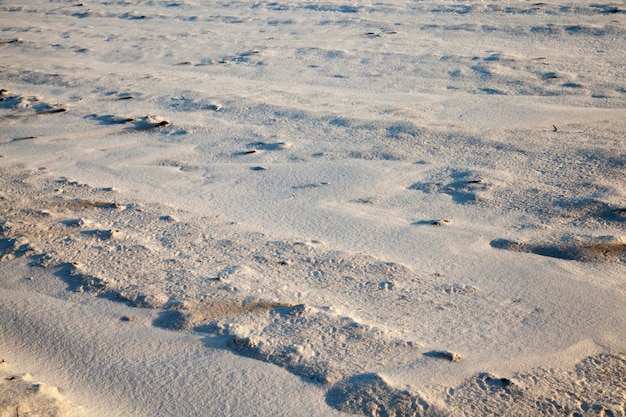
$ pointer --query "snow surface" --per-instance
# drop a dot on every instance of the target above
(292, 208)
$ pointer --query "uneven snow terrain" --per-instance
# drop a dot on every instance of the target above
(313, 207)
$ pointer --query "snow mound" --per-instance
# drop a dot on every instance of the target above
(313, 343)
(370, 395)
(21, 395)
(584, 249)
(596, 386)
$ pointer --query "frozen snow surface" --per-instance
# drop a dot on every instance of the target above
(402, 208)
